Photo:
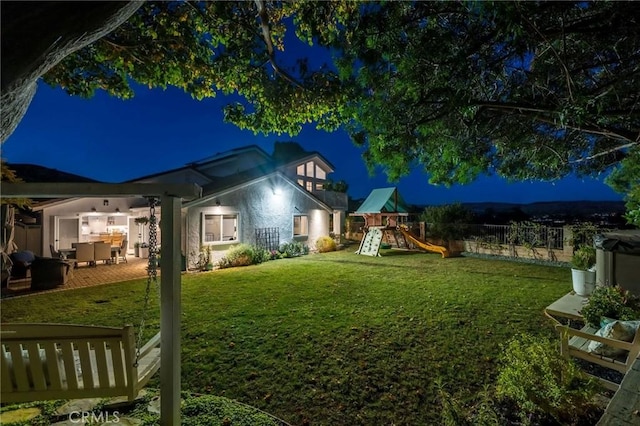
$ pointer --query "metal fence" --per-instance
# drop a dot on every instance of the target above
(532, 235)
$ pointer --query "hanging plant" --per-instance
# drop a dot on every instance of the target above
(141, 220)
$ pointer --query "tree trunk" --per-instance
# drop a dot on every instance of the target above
(38, 35)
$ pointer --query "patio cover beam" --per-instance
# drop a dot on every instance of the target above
(170, 282)
(186, 191)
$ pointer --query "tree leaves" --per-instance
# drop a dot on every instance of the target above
(526, 90)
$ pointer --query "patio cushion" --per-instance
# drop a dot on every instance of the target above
(21, 263)
(618, 330)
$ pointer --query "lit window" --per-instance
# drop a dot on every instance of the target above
(320, 174)
(300, 225)
(319, 186)
(220, 227)
(301, 182)
(310, 169)
(309, 186)
(300, 170)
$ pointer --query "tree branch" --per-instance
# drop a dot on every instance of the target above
(37, 36)
(266, 35)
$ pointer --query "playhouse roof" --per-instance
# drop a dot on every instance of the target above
(383, 200)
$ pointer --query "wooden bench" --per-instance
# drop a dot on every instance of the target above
(59, 361)
(575, 343)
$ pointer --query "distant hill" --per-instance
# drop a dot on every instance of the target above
(552, 207)
(36, 173)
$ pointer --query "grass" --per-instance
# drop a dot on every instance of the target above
(335, 338)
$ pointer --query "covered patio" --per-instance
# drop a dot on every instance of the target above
(135, 268)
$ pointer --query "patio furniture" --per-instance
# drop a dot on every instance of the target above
(49, 272)
(84, 253)
(102, 251)
(21, 264)
(54, 252)
(122, 251)
(55, 361)
(575, 342)
(67, 253)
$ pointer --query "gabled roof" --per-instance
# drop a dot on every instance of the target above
(288, 153)
(230, 153)
(216, 191)
(383, 200)
(35, 173)
(220, 184)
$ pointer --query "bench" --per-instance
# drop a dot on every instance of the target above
(575, 343)
(59, 361)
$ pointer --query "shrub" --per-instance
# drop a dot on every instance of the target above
(244, 255)
(293, 249)
(584, 257)
(325, 244)
(538, 380)
(611, 302)
(447, 222)
(216, 410)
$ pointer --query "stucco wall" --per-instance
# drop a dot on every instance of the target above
(258, 205)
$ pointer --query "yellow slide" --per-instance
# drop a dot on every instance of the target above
(423, 244)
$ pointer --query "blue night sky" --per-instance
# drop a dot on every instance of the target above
(112, 140)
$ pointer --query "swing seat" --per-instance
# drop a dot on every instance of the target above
(59, 361)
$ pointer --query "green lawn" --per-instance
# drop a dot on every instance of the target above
(335, 338)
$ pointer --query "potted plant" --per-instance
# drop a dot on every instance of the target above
(144, 250)
(583, 273)
(610, 303)
(136, 249)
(142, 222)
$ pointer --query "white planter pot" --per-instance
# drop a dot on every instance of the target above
(584, 282)
(144, 253)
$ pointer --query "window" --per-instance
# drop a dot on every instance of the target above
(312, 176)
(220, 227)
(300, 225)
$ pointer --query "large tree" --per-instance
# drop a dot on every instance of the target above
(205, 48)
(526, 90)
(523, 89)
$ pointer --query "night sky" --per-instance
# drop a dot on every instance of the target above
(112, 140)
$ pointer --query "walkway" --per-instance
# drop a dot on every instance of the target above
(86, 276)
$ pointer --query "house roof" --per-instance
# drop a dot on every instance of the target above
(216, 191)
(219, 184)
(286, 153)
(35, 173)
(383, 200)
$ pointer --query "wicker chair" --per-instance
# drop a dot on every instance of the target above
(102, 251)
(49, 272)
(84, 253)
(122, 251)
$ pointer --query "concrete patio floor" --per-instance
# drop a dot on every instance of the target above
(86, 276)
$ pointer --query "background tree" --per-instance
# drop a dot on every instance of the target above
(447, 222)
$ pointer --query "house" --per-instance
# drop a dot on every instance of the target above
(248, 196)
